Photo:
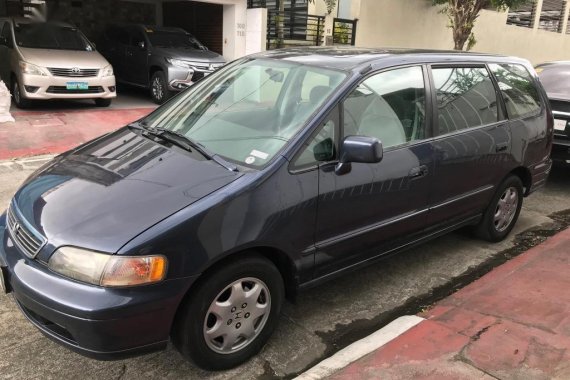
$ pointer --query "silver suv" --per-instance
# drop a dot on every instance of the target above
(51, 60)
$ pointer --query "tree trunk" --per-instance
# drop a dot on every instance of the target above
(462, 14)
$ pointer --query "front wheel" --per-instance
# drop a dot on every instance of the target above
(159, 88)
(19, 99)
(230, 314)
(503, 211)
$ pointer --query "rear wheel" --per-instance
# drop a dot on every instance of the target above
(503, 211)
(159, 88)
(231, 314)
(102, 102)
(19, 99)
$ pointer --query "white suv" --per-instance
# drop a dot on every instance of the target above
(51, 60)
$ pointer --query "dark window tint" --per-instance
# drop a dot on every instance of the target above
(50, 36)
(136, 36)
(556, 79)
(389, 106)
(466, 98)
(117, 34)
(518, 89)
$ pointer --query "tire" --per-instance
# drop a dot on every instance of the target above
(502, 213)
(159, 88)
(196, 328)
(103, 102)
(19, 100)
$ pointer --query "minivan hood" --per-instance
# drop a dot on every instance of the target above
(108, 191)
(190, 54)
(64, 58)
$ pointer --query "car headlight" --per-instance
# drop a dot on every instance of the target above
(107, 270)
(28, 68)
(107, 71)
(179, 63)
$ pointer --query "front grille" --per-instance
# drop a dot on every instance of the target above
(29, 241)
(73, 73)
(64, 90)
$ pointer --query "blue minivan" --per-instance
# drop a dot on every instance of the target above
(276, 173)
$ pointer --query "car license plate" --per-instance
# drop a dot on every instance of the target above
(3, 287)
(559, 124)
(77, 85)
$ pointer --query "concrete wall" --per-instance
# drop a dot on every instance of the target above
(417, 24)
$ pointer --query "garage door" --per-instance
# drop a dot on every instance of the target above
(205, 21)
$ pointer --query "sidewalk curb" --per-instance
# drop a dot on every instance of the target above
(361, 348)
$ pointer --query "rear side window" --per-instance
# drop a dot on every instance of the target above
(466, 98)
(518, 89)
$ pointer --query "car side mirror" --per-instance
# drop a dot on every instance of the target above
(142, 45)
(361, 149)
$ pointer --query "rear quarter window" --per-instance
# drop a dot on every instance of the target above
(518, 88)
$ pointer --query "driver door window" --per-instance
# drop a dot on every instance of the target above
(389, 106)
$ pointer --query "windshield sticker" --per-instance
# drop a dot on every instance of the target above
(250, 160)
(258, 154)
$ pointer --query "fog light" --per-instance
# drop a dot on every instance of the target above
(112, 88)
(31, 89)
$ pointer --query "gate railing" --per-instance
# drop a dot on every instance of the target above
(344, 31)
(294, 28)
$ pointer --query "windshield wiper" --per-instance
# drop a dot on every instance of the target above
(188, 144)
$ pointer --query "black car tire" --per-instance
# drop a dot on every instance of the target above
(189, 330)
(103, 102)
(159, 88)
(488, 228)
(19, 100)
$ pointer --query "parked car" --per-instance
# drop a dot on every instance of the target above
(555, 77)
(164, 60)
(51, 60)
(276, 173)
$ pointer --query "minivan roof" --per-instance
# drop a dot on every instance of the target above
(350, 58)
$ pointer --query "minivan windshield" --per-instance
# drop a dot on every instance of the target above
(50, 36)
(249, 110)
(174, 40)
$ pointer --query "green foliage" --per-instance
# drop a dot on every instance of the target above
(462, 15)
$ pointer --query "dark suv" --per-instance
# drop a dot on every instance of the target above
(276, 173)
(163, 59)
(555, 77)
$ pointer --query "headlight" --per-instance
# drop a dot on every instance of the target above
(28, 68)
(107, 270)
(179, 63)
(107, 71)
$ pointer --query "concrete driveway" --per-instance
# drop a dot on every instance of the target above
(322, 320)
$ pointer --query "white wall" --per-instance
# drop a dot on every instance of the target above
(417, 24)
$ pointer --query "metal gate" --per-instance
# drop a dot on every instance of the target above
(344, 31)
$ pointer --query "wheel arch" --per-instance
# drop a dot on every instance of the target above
(525, 176)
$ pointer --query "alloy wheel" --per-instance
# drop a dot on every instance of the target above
(157, 89)
(506, 209)
(237, 315)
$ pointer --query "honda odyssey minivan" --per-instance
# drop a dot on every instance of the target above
(276, 173)
(51, 60)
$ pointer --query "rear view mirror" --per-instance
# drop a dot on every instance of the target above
(362, 149)
(275, 75)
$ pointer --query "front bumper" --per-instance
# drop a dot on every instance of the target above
(52, 87)
(100, 323)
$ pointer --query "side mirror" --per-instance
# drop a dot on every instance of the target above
(142, 45)
(362, 149)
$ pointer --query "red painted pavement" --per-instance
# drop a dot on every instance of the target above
(513, 323)
(36, 133)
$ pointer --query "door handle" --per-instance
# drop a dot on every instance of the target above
(418, 172)
(501, 147)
